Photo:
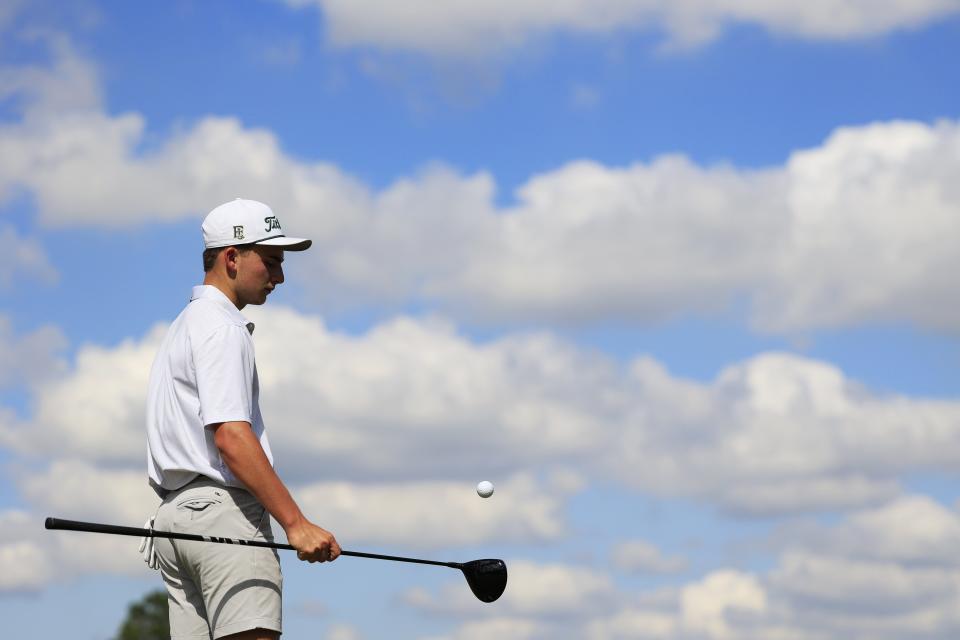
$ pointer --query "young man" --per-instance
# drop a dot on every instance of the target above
(208, 456)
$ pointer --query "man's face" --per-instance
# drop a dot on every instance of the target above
(258, 272)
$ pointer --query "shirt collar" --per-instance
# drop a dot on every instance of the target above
(210, 292)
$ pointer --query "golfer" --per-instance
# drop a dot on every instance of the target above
(208, 456)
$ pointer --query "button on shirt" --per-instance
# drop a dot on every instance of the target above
(205, 373)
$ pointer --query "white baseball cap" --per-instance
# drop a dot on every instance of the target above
(247, 222)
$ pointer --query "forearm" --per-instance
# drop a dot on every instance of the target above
(243, 455)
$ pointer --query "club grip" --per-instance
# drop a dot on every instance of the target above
(94, 527)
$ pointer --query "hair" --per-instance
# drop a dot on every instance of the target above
(210, 255)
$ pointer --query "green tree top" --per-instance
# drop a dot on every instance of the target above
(147, 619)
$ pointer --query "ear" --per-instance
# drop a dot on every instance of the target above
(229, 256)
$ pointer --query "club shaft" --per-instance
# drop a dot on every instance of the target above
(95, 527)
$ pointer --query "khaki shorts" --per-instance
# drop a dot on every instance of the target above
(215, 590)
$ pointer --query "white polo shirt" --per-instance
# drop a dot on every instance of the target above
(205, 372)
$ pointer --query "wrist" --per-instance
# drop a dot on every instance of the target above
(293, 521)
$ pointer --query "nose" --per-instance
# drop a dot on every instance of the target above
(277, 276)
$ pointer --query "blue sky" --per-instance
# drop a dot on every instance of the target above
(676, 277)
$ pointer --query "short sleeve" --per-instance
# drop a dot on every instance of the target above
(225, 366)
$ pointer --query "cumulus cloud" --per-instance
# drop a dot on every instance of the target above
(343, 632)
(567, 602)
(533, 590)
(67, 83)
(632, 624)
(853, 250)
(434, 514)
(413, 400)
(26, 567)
(31, 357)
(415, 515)
(417, 390)
(822, 586)
(23, 258)
(484, 29)
(913, 531)
(77, 490)
(821, 241)
(881, 573)
(640, 556)
(105, 390)
(380, 432)
(503, 628)
(24, 563)
(64, 143)
(707, 605)
(32, 558)
(779, 433)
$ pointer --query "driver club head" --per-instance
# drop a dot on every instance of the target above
(487, 578)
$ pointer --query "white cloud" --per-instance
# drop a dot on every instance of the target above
(32, 357)
(413, 401)
(779, 433)
(640, 556)
(23, 258)
(547, 591)
(821, 241)
(821, 587)
(866, 588)
(557, 590)
(433, 514)
(913, 530)
(707, 605)
(413, 390)
(854, 253)
(485, 29)
(792, 495)
(24, 566)
(882, 573)
(32, 558)
(211, 162)
(632, 625)
(68, 84)
(95, 411)
(560, 601)
(74, 490)
(502, 628)
(64, 144)
(77, 490)
(343, 632)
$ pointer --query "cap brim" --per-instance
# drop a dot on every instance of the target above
(288, 244)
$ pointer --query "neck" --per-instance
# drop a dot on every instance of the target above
(223, 283)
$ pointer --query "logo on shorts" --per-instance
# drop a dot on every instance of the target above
(272, 223)
(238, 232)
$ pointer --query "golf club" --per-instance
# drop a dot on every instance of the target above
(487, 578)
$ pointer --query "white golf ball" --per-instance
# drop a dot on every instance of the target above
(485, 489)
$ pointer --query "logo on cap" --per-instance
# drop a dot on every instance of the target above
(272, 223)
(238, 232)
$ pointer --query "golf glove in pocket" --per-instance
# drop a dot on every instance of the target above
(147, 548)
